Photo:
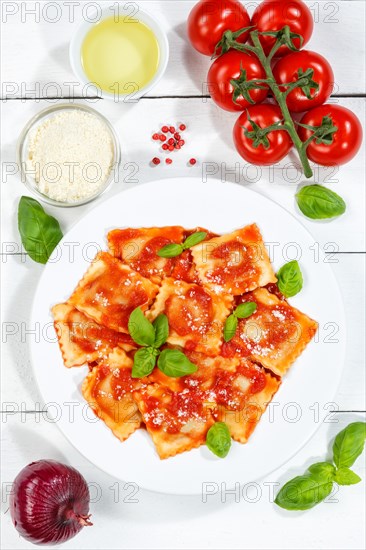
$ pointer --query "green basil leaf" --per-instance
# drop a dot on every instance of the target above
(218, 439)
(319, 203)
(173, 362)
(40, 233)
(143, 362)
(245, 310)
(323, 470)
(303, 492)
(231, 324)
(290, 279)
(140, 328)
(161, 327)
(171, 250)
(194, 239)
(345, 476)
(349, 444)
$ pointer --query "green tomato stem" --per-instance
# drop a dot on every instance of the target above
(280, 97)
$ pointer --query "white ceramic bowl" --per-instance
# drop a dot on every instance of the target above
(124, 10)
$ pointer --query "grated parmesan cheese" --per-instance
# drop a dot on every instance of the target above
(71, 155)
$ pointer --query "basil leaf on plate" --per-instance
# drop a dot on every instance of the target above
(245, 310)
(319, 203)
(194, 239)
(144, 362)
(345, 476)
(290, 279)
(161, 327)
(349, 444)
(231, 324)
(140, 328)
(303, 492)
(170, 251)
(218, 439)
(40, 233)
(173, 362)
(323, 470)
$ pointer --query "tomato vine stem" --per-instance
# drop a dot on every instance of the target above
(284, 36)
(280, 97)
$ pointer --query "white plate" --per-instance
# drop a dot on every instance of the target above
(303, 400)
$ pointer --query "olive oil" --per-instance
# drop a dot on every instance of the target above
(121, 56)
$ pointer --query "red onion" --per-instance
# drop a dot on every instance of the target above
(49, 502)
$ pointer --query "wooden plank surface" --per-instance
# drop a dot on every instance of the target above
(209, 139)
(247, 519)
(37, 65)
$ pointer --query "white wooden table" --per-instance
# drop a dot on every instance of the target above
(35, 74)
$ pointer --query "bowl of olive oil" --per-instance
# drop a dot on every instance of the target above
(123, 54)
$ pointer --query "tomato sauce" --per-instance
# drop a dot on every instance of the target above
(270, 326)
(237, 266)
(148, 263)
(183, 268)
(190, 312)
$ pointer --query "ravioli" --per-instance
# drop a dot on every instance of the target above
(177, 421)
(138, 248)
(184, 268)
(197, 291)
(110, 291)
(108, 390)
(275, 335)
(82, 340)
(243, 421)
(235, 263)
(196, 315)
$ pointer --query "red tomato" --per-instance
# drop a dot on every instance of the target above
(228, 67)
(346, 140)
(209, 19)
(286, 70)
(279, 140)
(272, 15)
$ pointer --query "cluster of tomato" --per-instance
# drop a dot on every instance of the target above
(229, 74)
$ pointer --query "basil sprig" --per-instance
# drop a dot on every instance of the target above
(349, 444)
(173, 362)
(241, 312)
(304, 492)
(152, 336)
(290, 279)
(40, 233)
(319, 203)
(174, 249)
(218, 439)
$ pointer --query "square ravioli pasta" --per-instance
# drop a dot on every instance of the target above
(82, 340)
(242, 393)
(196, 315)
(176, 419)
(274, 335)
(178, 412)
(139, 247)
(108, 390)
(235, 263)
(110, 291)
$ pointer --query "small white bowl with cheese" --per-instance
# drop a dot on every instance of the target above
(68, 155)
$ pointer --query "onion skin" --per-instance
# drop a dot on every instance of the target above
(49, 502)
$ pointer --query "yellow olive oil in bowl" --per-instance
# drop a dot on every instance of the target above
(121, 56)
